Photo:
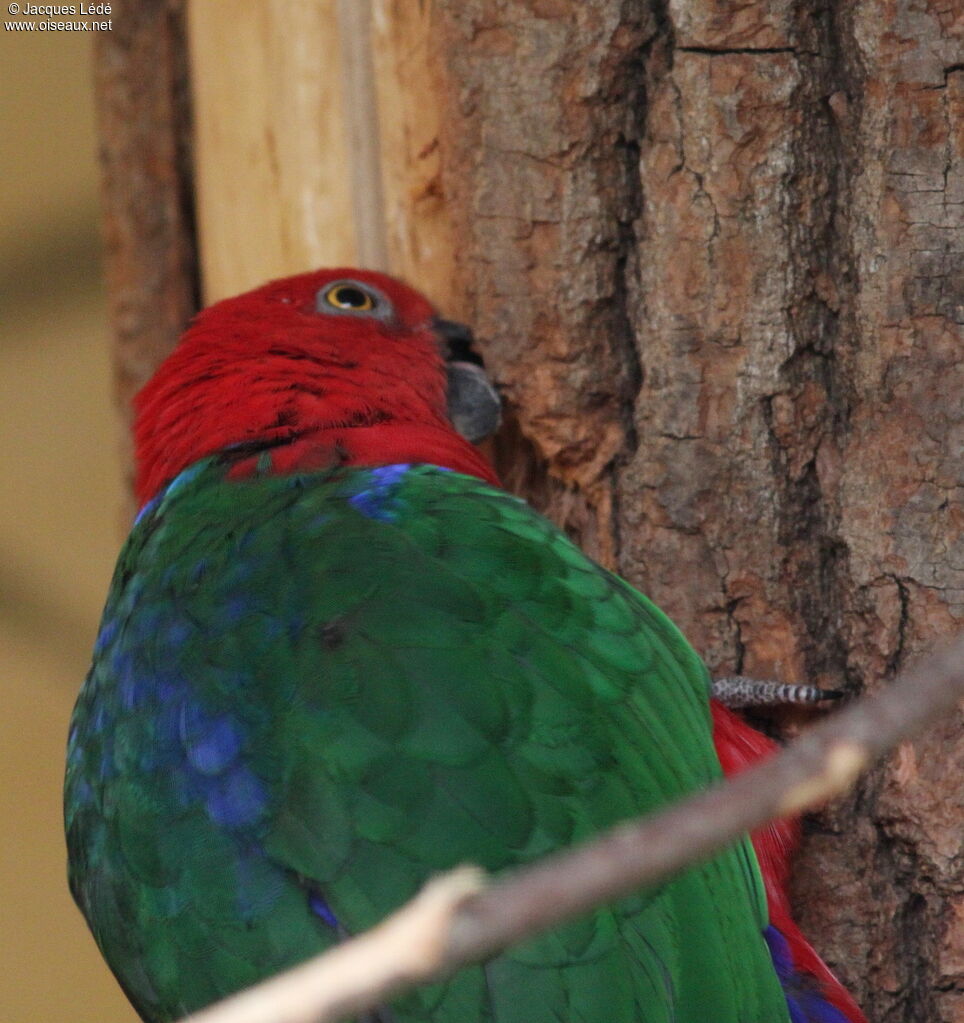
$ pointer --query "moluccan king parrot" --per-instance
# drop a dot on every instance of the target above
(337, 658)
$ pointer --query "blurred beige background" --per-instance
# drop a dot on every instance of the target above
(59, 511)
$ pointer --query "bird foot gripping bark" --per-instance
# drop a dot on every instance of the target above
(737, 691)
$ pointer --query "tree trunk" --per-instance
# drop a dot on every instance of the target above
(714, 255)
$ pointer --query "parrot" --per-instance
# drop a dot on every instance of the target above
(338, 658)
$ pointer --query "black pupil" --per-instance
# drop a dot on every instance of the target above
(354, 298)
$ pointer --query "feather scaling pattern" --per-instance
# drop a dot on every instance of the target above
(326, 687)
(337, 658)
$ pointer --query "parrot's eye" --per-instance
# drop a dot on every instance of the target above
(348, 298)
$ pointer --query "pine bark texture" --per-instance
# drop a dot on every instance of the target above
(716, 255)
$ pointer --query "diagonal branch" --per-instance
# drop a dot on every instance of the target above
(460, 919)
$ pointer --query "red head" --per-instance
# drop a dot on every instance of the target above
(332, 366)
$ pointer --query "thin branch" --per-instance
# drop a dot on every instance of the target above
(458, 919)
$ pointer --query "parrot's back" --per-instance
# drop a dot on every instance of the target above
(313, 691)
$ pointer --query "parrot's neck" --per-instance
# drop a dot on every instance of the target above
(296, 405)
(258, 433)
(364, 446)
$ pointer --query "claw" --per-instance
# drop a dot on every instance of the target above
(737, 691)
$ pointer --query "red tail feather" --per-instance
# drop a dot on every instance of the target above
(739, 746)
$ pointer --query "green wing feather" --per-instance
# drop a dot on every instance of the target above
(311, 693)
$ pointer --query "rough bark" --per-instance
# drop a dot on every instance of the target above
(140, 77)
(716, 256)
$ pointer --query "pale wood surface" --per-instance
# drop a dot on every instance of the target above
(360, 119)
(271, 155)
(363, 186)
(409, 86)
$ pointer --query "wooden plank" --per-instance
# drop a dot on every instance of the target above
(271, 158)
(317, 142)
(361, 126)
(409, 86)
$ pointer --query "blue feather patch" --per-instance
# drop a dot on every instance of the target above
(321, 909)
(237, 799)
(148, 508)
(804, 1000)
(216, 748)
(378, 497)
(105, 637)
(184, 477)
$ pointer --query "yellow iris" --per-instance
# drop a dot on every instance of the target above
(349, 297)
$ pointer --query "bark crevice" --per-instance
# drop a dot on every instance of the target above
(720, 51)
(773, 299)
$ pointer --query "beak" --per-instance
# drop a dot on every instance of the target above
(474, 406)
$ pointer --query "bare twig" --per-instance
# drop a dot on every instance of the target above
(457, 919)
